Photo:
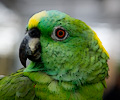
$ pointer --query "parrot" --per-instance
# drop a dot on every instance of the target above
(67, 61)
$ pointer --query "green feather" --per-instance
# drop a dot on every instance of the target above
(70, 69)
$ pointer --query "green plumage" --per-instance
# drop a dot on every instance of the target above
(40, 86)
(71, 69)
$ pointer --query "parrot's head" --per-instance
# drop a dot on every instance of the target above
(63, 47)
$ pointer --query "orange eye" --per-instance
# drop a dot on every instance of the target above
(60, 33)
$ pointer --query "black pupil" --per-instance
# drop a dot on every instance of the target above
(60, 33)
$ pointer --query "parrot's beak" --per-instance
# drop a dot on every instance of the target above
(30, 47)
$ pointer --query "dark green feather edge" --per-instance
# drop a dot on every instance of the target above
(17, 87)
(39, 86)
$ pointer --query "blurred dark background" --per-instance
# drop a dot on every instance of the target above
(102, 15)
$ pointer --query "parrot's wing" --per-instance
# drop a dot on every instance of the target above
(17, 87)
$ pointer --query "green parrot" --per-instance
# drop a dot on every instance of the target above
(68, 61)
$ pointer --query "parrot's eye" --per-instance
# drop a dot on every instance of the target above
(59, 34)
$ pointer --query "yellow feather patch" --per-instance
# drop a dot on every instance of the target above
(35, 19)
(100, 44)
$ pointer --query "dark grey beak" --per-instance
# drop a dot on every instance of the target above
(30, 47)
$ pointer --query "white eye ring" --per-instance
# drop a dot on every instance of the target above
(59, 33)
